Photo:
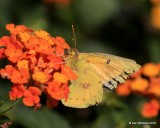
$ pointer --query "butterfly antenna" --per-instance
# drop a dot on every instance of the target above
(74, 38)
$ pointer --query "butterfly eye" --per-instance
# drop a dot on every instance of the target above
(73, 53)
(66, 51)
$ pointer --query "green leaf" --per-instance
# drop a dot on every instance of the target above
(41, 118)
(5, 86)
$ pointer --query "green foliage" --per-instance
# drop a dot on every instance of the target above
(153, 50)
(91, 13)
(41, 118)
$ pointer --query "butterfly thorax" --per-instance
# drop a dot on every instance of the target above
(71, 56)
(71, 52)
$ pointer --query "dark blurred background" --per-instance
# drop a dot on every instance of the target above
(120, 27)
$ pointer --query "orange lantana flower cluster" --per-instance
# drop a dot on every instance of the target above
(155, 11)
(145, 82)
(36, 65)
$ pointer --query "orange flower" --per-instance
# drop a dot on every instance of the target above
(16, 29)
(41, 63)
(150, 70)
(158, 65)
(23, 64)
(23, 36)
(44, 47)
(60, 45)
(40, 77)
(31, 57)
(31, 96)
(155, 2)
(38, 54)
(154, 86)
(155, 18)
(154, 89)
(60, 77)
(147, 82)
(17, 91)
(10, 27)
(13, 53)
(137, 74)
(150, 109)
(124, 89)
(57, 90)
(15, 42)
(3, 42)
(44, 35)
(62, 42)
(55, 62)
(20, 76)
(67, 71)
(139, 84)
(2, 55)
(5, 73)
(31, 43)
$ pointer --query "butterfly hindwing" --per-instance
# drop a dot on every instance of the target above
(87, 89)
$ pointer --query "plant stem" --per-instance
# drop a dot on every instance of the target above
(10, 107)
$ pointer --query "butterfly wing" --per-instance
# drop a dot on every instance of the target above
(95, 70)
(111, 69)
(87, 89)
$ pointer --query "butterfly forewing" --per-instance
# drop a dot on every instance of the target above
(111, 69)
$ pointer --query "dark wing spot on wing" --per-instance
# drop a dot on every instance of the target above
(99, 82)
(108, 61)
(85, 85)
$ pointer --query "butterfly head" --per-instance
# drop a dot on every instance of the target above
(71, 52)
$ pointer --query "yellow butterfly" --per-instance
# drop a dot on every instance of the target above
(95, 71)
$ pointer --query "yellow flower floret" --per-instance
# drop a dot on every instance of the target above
(40, 77)
(60, 77)
(23, 64)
